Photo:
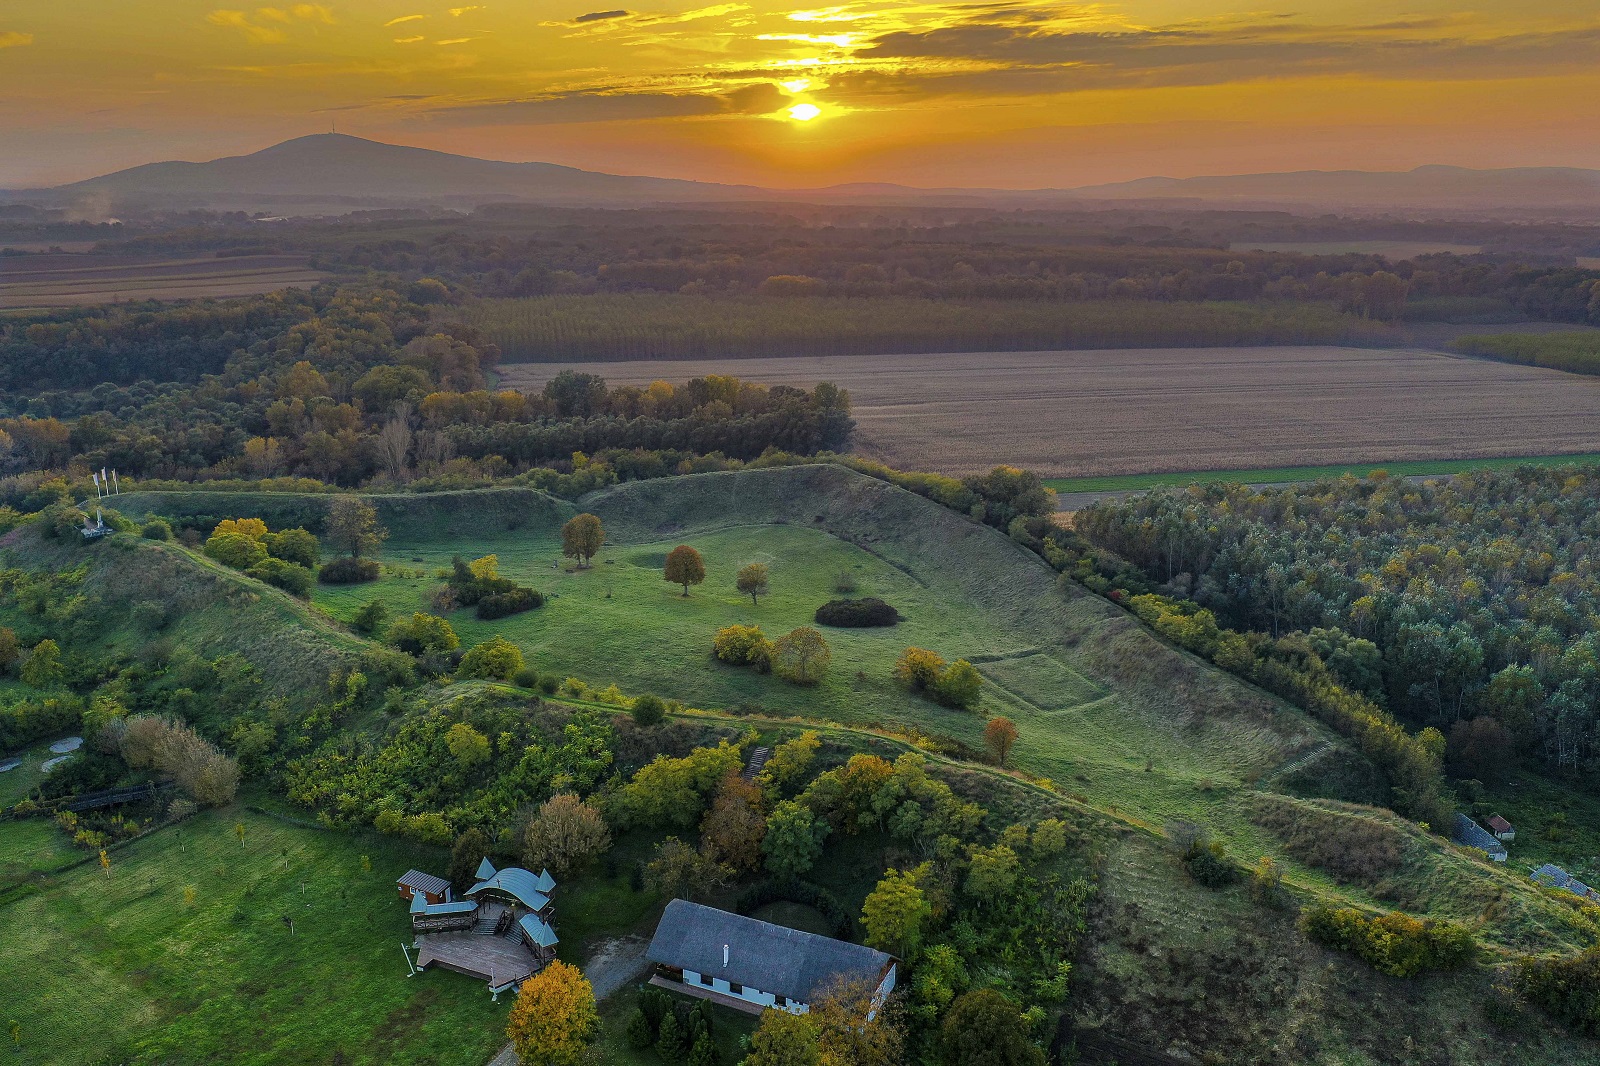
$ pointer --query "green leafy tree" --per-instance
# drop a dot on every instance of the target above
(371, 618)
(784, 1039)
(294, 546)
(789, 763)
(470, 747)
(680, 871)
(43, 666)
(424, 634)
(352, 526)
(238, 550)
(794, 838)
(10, 650)
(648, 710)
(984, 1028)
(673, 792)
(470, 849)
(992, 872)
(752, 580)
(801, 656)
(960, 685)
(895, 912)
(684, 567)
(496, 659)
(582, 537)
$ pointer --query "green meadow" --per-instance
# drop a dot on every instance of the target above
(134, 967)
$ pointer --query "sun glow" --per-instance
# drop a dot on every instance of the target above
(804, 112)
(798, 85)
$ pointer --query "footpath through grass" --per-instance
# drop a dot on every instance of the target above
(1279, 474)
(134, 968)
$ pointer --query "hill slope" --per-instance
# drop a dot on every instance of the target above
(1128, 726)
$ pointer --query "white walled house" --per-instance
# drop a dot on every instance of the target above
(758, 963)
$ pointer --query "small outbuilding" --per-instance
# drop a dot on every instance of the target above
(433, 890)
(751, 964)
(1473, 835)
(1553, 876)
(1501, 829)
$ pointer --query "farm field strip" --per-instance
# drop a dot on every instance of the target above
(1280, 475)
(63, 280)
(1143, 411)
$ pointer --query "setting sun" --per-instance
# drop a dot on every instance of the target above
(804, 112)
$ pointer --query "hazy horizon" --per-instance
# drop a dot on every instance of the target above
(1015, 94)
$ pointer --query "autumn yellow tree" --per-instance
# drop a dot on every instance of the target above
(582, 537)
(752, 580)
(684, 567)
(554, 1017)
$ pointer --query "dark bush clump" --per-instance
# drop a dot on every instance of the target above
(527, 677)
(348, 571)
(500, 604)
(857, 614)
(156, 529)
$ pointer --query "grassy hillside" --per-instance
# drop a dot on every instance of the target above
(1136, 733)
(207, 608)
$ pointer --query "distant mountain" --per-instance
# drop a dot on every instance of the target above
(1430, 186)
(334, 173)
(332, 168)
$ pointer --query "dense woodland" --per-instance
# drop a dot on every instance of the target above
(352, 386)
(1469, 605)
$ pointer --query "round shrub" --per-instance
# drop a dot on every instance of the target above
(238, 550)
(857, 614)
(648, 710)
(348, 571)
(156, 529)
(734, 644)
(549, 683)
(527, 677)
(293, 579)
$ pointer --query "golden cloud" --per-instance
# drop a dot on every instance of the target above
(14, 38)
(403, 18)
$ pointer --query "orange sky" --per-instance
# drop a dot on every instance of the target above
(1009, 93)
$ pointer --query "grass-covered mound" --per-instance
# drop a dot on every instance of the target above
(140, 594)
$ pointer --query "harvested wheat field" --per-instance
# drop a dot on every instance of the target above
(37, 281)
(1129, 411)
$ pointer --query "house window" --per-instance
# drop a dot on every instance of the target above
(735, 987)
(779, 1001)
(705, 979)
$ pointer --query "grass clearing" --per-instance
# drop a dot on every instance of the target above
(123, 969)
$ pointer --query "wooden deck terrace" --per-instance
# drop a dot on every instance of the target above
(494, 959)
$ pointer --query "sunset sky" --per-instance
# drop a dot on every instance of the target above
(1004, 94)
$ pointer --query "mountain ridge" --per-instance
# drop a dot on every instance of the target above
(341, 171)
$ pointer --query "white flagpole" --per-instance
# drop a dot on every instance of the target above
(114, 486)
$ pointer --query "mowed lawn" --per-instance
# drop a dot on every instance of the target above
(124, 969)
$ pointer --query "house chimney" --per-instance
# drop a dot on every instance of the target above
(724, 956)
